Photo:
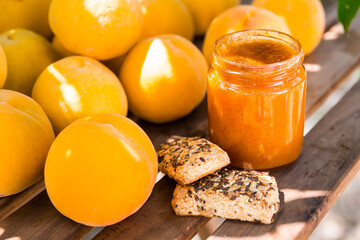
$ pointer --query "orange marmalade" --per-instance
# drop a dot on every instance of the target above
(256, 98)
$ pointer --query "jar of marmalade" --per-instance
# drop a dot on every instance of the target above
(256, 98)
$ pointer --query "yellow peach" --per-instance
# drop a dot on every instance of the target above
(164, 78)
(204, 11)
(99, 29)
(113, 64)
(3, 67)
(100, 169)
(166, 17)
(76, 87)
(240, 18)
(25, 135)
(29, 14)
(27, 54)
(305, 18)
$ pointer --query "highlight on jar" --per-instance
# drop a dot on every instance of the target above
(256, 98)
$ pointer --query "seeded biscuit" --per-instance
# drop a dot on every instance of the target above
(231, 194)
(191, 158)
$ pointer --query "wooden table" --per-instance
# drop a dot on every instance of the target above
(308, 188)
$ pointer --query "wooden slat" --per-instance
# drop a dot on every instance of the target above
(330, 159)
(195, 124)
(335, 58)
(27, 223)
(158, 210)
(10, 204)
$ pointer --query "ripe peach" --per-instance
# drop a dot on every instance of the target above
(3, 67)
(100, 169)
(204, 11)
(27, 54)
(99, 29)
(305, 18)
(76, 87)
(164, 78)
(114, 64)
(241, 18)
(25, 135)
(166, 17)
(29, 14)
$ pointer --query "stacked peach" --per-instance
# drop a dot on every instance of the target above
(25, 135)
(27, 54)
(106, 57)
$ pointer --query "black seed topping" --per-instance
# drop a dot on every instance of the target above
(178, 152)
(241, 183)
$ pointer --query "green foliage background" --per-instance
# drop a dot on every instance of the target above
(347, 10)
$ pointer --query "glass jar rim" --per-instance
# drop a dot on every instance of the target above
(263, 33)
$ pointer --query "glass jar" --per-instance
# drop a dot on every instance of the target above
(256, 98)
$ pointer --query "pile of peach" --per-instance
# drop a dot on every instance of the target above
(107, 57)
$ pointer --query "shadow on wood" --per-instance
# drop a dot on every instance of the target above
(158, 209)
